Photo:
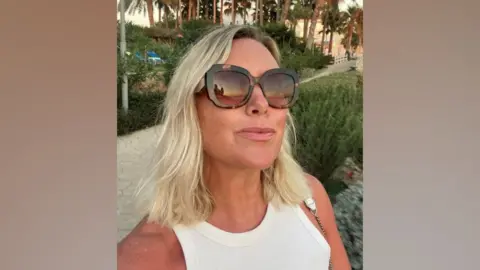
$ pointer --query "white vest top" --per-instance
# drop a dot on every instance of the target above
(285, 240)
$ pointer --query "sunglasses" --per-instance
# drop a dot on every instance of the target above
(231, 86)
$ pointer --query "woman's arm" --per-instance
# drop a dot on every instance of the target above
(327, 217)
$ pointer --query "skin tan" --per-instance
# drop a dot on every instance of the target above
(229, 155)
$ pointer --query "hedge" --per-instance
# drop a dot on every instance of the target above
(144, 109)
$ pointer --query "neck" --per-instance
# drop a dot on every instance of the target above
(234, 190)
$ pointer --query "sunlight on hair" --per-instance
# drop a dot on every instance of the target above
(174, 192)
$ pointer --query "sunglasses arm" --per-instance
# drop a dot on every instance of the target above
(200, 86)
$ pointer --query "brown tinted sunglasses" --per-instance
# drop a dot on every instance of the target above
(231, 87)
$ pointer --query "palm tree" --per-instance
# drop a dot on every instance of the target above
(198, 9)
(179, 20)
(139, 5)
(150, 12)
(335, 21)
(214, 11)
(352, 15)
(311, 33)
(231, 8)
(286, 8)
(243, 7)
(300, 12)
(359, 28)
(260, 12)
(325, 18)
(221, 12)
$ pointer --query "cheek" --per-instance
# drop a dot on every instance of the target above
(215, 124)
(281, 121)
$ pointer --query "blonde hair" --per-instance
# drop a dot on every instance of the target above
(174, 193)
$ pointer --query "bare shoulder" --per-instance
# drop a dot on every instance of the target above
(327, 217)
(318, 191)
(322, 201)
(150, 246)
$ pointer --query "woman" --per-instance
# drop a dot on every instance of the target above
(225, 192)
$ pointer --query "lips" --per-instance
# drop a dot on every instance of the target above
(257, 134)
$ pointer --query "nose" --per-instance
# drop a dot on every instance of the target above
(257, 104)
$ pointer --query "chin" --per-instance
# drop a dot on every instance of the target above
(259, 163)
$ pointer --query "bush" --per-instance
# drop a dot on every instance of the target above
(191, 32)
(329, 119)
(144, 110)
(283, 36)
(301, 61)
(348, 211)
(138, 71)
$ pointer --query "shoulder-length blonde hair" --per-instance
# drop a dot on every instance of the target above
(174, 193)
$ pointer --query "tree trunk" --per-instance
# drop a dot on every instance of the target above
(214, 11)
(207, 12)
(330, 43)
(159, 7)
(221, 12)
(234, 11)
(189, 11)
(315, 15)
(165, 15)
(260, 10)
(150, 13)
(198, 10)
(179, 20)
(322, 45)
(279, 11)
(255, 18)
(305, 29)
(324, 30)
(348, 46)
(286, 8)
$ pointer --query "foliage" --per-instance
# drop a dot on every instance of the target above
(138, 71)
(360, 81)
(144, 110)
(348, 210)
(138, 39)
(329, 119)
(191, 32)
(299, 61)
(355, 42)
(282, 35)
(138, 42)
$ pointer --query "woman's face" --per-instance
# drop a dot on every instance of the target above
(248, 137)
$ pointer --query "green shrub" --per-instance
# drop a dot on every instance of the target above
(283, 36)
(144, 110)
(329, 119)
(192, 31)
(138, 71)
(301, 61)
(360, 81)
(348, 210)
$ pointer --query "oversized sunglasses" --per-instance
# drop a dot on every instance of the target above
(231, 86)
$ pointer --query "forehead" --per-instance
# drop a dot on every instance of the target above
(251, 55)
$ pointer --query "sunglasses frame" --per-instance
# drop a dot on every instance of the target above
(210, 76)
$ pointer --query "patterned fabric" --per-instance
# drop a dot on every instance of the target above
(349, 216)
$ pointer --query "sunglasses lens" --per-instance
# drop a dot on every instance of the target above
(279, 89)
(230, 87)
